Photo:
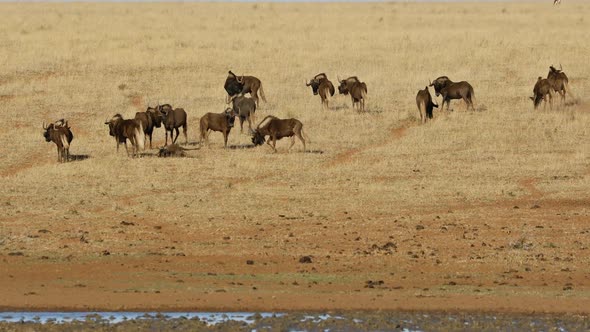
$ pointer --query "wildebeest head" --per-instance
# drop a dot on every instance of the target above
(230, 115)
(156, 115)
(439, 84)
(315, 82)
(46, 129)
(345, 85)
(112, 123)
(257, 138)
(233, 84)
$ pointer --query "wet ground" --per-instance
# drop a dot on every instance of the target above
(334, 321)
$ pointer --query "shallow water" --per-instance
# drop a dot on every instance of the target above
(292, 321)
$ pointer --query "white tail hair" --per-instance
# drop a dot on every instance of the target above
(140, 138)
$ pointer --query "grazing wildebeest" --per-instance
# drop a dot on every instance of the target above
(123, 130)
(173, 150)
(172, 119)
(244, 108)
(235, 85)
(276, 129)
(222, 122)
(356, 89)
(453, 90)
(322, 86)
(542, 89)
(149, 121)
(425, 104)
(559, 81)
(60, 134)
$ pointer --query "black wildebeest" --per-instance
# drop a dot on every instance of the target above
(453, 90)
(149, 120)
(123, 130)
(356, 89)
(172, 119)
(559, 81)
(322, 86)
(60, 134)
(235, 85)
(542, 89)
(276, 129)
(244, 108)
(222, 122)
(425, 104)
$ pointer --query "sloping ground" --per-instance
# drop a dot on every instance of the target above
(484, 210)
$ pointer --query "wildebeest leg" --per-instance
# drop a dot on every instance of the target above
(268, 141)
(150, 141)
(184, 129)
(250, 122)
(58, 154)
(225, 139)
(292, 143)
(166, 131)
(298, 133)
(177, 134)
(274, 142)
(126, 148)
(241, 125)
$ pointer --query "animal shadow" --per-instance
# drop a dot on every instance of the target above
(78, 157)
(241, 146)
(314, 151)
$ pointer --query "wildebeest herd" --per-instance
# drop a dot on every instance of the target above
(239, 105)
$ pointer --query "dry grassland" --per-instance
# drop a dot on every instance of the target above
(484, 210)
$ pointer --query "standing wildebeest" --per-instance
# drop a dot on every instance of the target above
(559, 81)
(149, 120)
(222, 122)
(320, 84)
(425, 104)
(453, 90)
(172, 119)
(542, 89)
(276, 129)
(123, 130)
(235, 85)
(60, 134)
(356, 89)
(244, 108)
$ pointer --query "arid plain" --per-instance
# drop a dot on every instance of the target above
(485, 210)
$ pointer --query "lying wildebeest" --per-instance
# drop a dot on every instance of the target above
(453, 90)
(60, 134)
(425, 104)
(320, 84)
(123, 130)
(244, 108)
(276, 129)
(559, 81)
(173, 150)
(149, 120)
(172, 119)
(542, 89)
(356, 89)
(222, 122)
(235, 85)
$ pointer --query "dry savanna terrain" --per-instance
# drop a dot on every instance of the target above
(485, 210)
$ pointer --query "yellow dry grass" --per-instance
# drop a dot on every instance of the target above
(86, 62)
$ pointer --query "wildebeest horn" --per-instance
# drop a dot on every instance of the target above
(560, 68)
(429, 83)
(307, 84)
(107, 121)
(338, 78)
(44, 126)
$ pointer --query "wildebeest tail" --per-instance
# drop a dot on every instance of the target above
(140, 137)
(64, 140)
(262, 93)
(364, 91)
(332, 90)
